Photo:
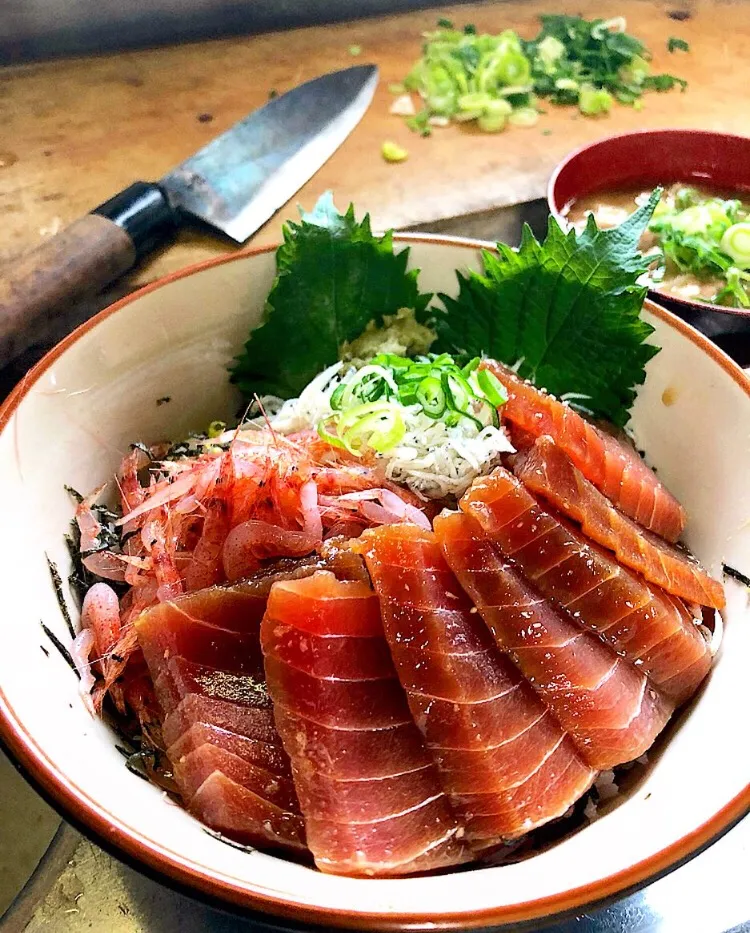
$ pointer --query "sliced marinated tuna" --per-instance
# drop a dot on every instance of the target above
(616, 469)
(640, 621)
(502, 757)
(609, 708)
(203, 653)
(368, 789)
(547, 471)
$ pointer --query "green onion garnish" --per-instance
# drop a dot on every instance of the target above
(369, 404)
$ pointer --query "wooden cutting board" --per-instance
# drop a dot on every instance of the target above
(74, 132)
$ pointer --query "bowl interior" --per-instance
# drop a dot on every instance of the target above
(105, 387)
(652, 157)
(662, 157)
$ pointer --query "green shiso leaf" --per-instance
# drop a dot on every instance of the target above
(566, 312)
(333, 276)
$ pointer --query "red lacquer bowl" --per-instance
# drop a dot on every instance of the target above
(650, 158)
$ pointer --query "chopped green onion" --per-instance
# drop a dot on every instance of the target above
(392, 152)
(379, 425)
(492, 388)
(594, 100)
(336, 398)
(431, 396)
(736, 244)
(524, 116)
(216, 428)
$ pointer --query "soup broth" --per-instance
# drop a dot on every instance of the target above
(721, 279)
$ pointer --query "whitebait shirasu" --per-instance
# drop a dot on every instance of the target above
(432, 458)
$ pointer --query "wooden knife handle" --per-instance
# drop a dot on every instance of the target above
(77, 263)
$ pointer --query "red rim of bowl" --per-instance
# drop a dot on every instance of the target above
(556, 205)
(178, 870)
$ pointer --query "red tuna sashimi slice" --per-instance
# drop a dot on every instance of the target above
(386, 817)
(503, 759)
(271, 757)
(608, 707)
(237, 812)
(614, 468)
(165, 631)
(648, 626)
(211, 676)
(546, 470)
(192, 770)
(253, 723)
(179, 678)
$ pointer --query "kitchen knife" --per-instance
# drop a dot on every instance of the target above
(234, 184)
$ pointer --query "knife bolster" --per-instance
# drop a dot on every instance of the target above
(144, 213)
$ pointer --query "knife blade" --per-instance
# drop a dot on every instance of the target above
(234, 184)
(245, 175)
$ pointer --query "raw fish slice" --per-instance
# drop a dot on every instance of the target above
(192, 770)
(418, 839)
(546, 470)
(339, 753)
(369, 704)
(270, 757)
(165, 631)
(179, 678)
(365, 815)
(607, 707)
(203, 654)
(237, 812)
(492, 738)
(252, 723)
(649, 627)
(614, 468)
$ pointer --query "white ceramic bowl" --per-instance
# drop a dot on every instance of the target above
(70, 421)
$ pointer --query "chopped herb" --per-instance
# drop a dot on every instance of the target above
(589, 63)
(736, 575)
(420, 123)
(546, 132)
(75, 495)
(163, 400)
(675, 45)
(216, 429)
(708, 237)
(61, 648)
(392, 152)
(273, 93)
(57, 583)
(679, 16)
(333, 276)
(566, 312)
(355, 50)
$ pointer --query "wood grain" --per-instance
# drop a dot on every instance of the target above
(75, 263)
(75, 132)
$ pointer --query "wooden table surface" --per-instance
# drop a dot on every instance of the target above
(74, 132)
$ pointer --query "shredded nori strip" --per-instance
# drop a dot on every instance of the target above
(57, 583)
(74, 493)
(61, 648)
(134, 761)
(736, 574)
(79, 578)
(227, 841)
